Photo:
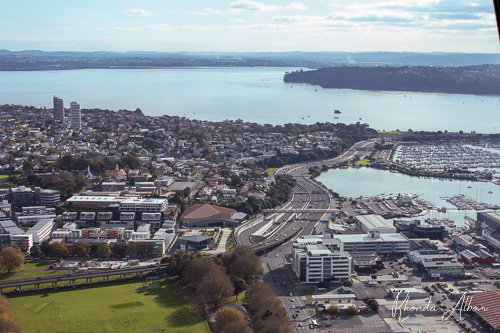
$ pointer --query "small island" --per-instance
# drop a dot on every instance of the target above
(476, 80)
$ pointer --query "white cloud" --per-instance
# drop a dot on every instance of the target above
(254, 6)
(238, 21)
(137, 12)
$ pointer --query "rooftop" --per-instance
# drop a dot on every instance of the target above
(490, 301)
(374, 221)
(358, 238)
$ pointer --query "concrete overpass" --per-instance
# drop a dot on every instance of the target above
(89, 276)
(297, 210)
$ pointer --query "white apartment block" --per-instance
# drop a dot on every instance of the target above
(316, 263)
(42, 230)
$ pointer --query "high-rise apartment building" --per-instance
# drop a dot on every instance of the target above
(76, 116)
(58, 109)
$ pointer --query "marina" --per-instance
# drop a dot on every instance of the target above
(427, 194)
(448, 156)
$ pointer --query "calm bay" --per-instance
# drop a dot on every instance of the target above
(255, 94)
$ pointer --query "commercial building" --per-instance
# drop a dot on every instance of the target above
(58, 112)
(76, 116)
(204, 215)
(5, 210)
(154, 219)
(22, 196)
(47, 197)
(487, 306)
(8, 229)
(490, 225)
(82, 202)
(69, 233)
(364, 261)
(479, 257)
(314, 263)
(113, 186)
(412, 292)
(143, 205)
(32, 220)
(369, 223)
(443, 270)
(24, 241)
(374, 242)
(195, 243)
(421, 230)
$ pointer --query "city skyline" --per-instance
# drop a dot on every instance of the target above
(244, 26)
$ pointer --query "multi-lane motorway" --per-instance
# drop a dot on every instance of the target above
(275, 250)
(306, 195)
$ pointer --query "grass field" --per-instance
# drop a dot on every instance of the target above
(30, 270)
(87, 309)
(363, 163)
(270, 171)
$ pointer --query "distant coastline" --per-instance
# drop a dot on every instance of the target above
(35, 60)
(471, 80)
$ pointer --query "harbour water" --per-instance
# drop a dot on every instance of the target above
(255, 94)
(356, 182)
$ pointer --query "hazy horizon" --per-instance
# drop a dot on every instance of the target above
(250, 26)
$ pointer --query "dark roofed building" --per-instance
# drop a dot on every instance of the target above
(366, 260)
(195, 243)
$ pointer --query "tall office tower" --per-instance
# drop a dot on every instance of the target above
(76, 116)
(58, 109)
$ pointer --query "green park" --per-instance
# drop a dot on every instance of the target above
(124, 306)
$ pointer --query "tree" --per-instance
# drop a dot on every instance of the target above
(35, 251)
(81, 252)
(239, 285)
(177, 262)
(103, 250)
(45, 247)
(197, 268)
(119, 249)
(11, 259)
(215, 287)
(8, 322)
(245, 264)
(230, 320)
(265, 309)
(374, 306)
(333, 309)
(59, 250)
(352, 310)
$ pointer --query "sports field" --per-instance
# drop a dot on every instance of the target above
(88, 309)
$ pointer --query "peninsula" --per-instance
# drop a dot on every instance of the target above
(477, 80)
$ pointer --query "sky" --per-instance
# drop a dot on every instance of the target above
(249, 26)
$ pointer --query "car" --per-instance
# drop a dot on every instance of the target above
(277, 255)
(299, 325)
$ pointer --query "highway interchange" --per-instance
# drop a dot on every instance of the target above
(276, 249)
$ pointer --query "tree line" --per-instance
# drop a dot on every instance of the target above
(480, 80)
(217, 279)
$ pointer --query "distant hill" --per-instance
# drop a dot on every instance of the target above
(60, 60)
(477, 80)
